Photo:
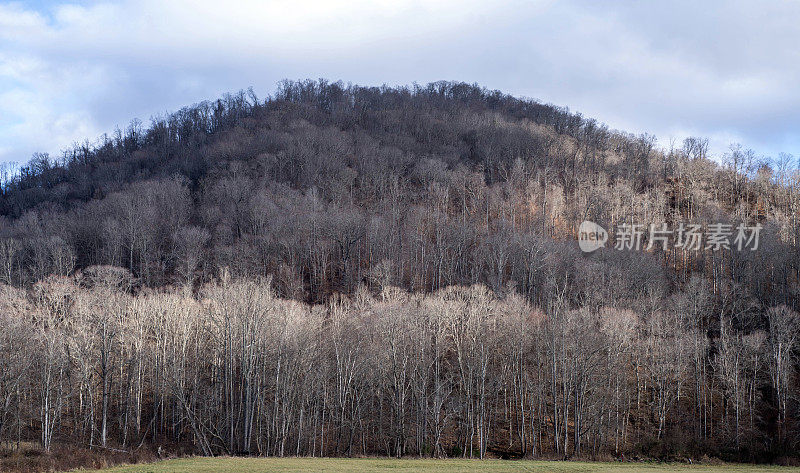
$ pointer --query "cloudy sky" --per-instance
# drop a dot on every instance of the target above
(730, 71)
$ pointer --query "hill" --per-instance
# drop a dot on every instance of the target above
(327, 187)
(354, 271)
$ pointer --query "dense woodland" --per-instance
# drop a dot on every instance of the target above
(393, 271)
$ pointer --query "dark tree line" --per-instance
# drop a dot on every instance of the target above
(331, 190)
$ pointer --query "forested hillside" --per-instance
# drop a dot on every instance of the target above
(347, 271)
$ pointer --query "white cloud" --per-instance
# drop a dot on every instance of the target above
(70, 71)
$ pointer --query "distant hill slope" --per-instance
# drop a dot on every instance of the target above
(434, 230)
(328, 187)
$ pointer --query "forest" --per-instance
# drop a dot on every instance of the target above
(345, 271)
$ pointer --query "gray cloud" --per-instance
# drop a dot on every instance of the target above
(723, 70)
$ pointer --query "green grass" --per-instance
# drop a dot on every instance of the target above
(263, 465)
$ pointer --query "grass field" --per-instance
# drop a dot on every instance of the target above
(335, 465)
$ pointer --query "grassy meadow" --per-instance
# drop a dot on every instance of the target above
(336, 465)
